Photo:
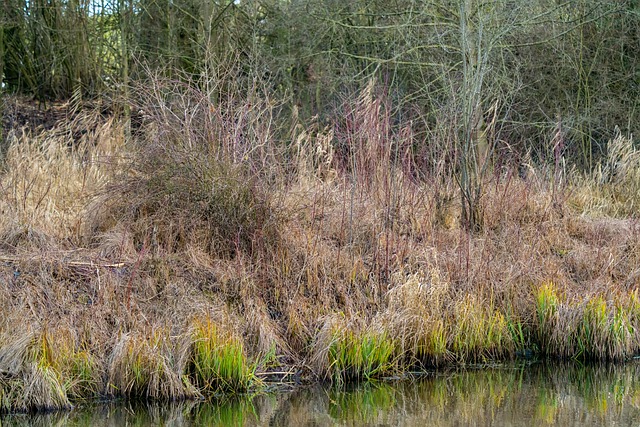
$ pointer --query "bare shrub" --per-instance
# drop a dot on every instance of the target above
(192, 175)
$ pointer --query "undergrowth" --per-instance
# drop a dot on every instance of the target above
(179, 260)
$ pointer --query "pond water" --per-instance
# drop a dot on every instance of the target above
(506, 395)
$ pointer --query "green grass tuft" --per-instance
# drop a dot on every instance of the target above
(547, 302)
(362, 356)
(218, 360)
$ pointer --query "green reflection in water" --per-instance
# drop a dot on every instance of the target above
(517, 395)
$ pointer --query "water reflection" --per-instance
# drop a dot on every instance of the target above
(516, 395)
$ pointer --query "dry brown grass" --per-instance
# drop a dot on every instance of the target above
(301, 250)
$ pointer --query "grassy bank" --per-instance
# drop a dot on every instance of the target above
(199, 249)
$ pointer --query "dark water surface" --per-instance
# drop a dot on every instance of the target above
(509, 395)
